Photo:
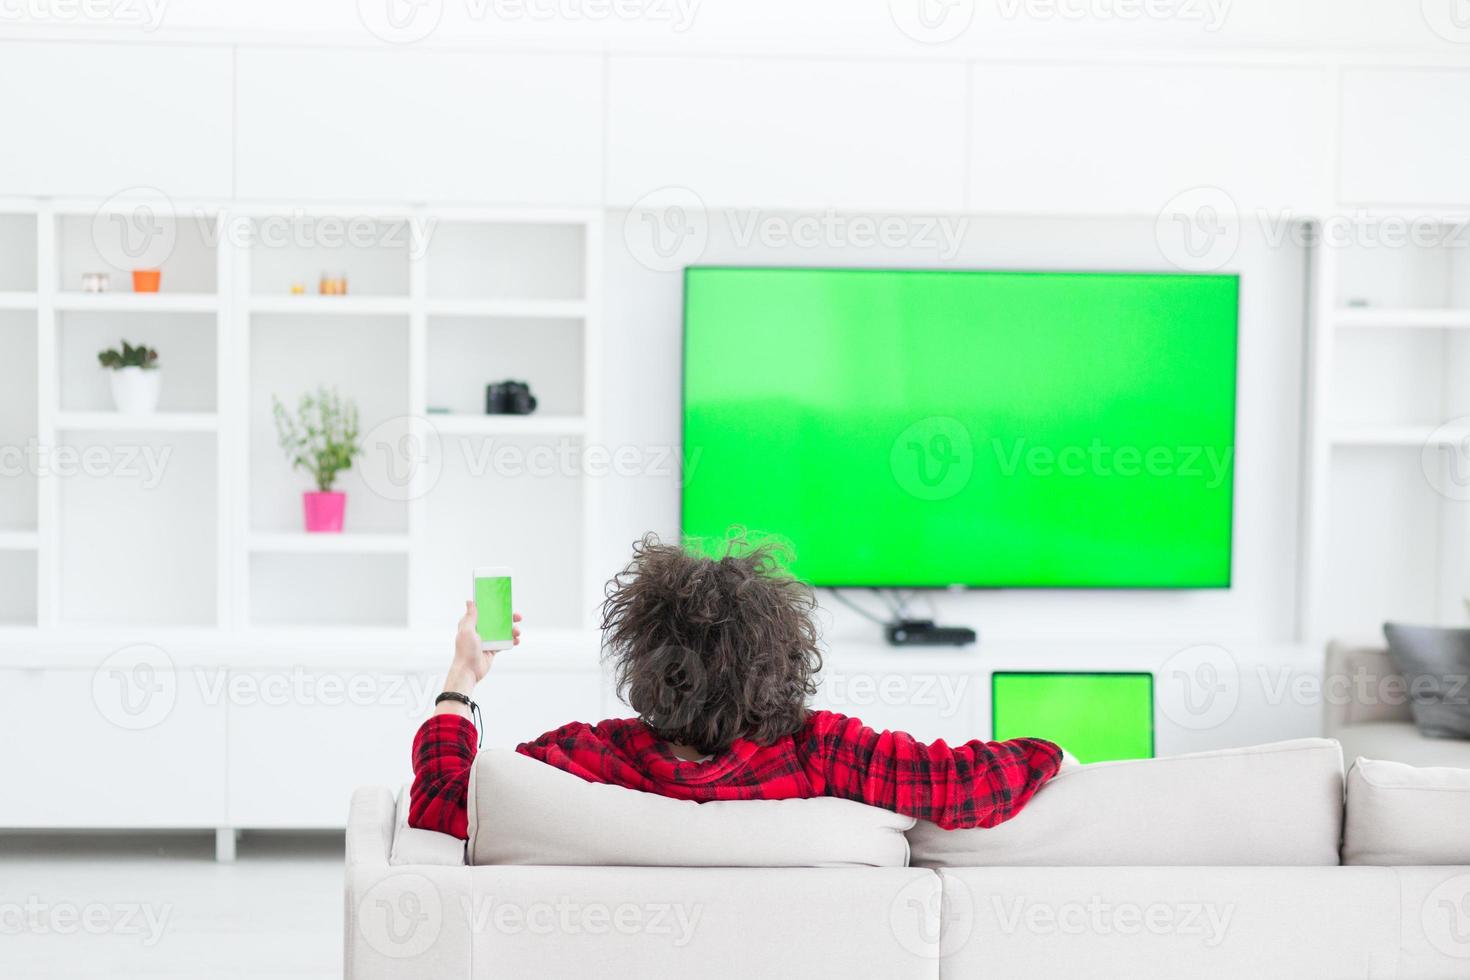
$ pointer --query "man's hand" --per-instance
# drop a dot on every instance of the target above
(470, 664)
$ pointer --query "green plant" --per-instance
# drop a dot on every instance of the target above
(320, 436)
(130, 356)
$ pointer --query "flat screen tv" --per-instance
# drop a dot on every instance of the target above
(915, 428)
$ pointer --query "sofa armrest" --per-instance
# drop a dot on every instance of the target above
(1361, 684)
(370, 827)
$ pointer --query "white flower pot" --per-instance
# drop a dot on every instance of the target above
(135, 390)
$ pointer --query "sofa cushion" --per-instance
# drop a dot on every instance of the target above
(522, 811)
(1399, 815)
(1276, 804)
(1400, 741)
(1436, 663)
(414, 845)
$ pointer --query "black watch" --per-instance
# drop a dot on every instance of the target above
(474, 711)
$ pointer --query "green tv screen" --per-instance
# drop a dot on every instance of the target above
(972, 428)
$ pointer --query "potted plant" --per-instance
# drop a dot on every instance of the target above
(135, 378)
(321, 438)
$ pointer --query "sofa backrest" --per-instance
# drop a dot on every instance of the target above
(1274, 804)
(522, 811)
(1361, 684)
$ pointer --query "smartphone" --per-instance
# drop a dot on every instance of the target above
(490, 588)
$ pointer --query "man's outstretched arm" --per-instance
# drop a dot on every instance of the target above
(444, 747)
(977, 784)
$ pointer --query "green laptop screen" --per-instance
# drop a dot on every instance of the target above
(1096, 717)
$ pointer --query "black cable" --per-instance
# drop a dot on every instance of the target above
(888, 601)
(855, 607)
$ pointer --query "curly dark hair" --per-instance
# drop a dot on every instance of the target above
(708, 650)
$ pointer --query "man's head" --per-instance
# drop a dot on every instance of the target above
(709, 650)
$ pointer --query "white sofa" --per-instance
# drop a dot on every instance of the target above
(1219, 864)
(1366, 708)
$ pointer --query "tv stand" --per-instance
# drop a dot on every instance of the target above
(924, 633)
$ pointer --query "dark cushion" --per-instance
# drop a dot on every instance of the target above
(1436, 663)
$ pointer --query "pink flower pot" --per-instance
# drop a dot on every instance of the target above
(324, 511)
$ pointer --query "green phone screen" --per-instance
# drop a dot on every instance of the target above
(492, 604)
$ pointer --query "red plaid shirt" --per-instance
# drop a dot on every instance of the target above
(978, 784)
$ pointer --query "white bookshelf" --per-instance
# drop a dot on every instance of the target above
(1388, 476)
(442, 303)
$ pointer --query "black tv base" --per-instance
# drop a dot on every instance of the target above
(924, 633)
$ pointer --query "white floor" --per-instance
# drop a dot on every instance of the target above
(158, 905)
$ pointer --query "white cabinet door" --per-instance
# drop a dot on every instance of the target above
(788, 134)
(302, 740)
(98, 119)
(419, 126)
(1399, 145)
(131, 744)
(1127, 139)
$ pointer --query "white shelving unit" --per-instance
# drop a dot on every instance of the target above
(1388, 478)
(441, 303)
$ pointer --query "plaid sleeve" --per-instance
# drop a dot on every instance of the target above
(978, 784)
(443, 753)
